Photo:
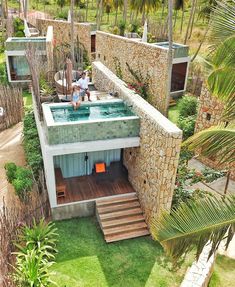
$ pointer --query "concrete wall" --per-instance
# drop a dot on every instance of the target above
(61, 30)
(149, 59)
(152, 166)
(211, 105)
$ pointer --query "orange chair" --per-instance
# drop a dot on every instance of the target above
(100, 167)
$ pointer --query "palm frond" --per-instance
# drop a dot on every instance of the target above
(194, 224)
(223, 20)
(216, 141)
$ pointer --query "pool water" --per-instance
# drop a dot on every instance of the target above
(91, 112)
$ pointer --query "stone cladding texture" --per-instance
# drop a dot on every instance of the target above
(61, 31)
(148, 59)
(152, 166)
(198, 275)
(210, 105)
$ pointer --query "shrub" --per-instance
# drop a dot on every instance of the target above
(10, 171)
(115, 30)
(187, 125)
(187, 106)
(122, 27)
(23, 182)
(32, 144)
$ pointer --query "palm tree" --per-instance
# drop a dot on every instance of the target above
(219, 141)
(170, 50)
(190, 20)
(117, 4)
(194, 224)
(209, 219)
(143, 6)
(72, 31)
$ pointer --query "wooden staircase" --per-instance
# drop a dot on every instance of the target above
(121, 218)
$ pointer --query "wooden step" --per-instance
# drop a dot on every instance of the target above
(121, 221)
(119, 214)
(115, 200)
(125, 228)
(126, 235)
(118, 207)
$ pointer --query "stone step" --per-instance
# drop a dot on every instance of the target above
(121, 221)
(120, 214)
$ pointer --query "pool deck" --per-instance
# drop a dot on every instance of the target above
(91, 187)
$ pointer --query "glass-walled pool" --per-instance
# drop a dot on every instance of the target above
(93, 121)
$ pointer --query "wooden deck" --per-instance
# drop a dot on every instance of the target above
(93, 186)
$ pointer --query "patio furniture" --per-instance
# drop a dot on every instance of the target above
(60, 183)
(60, 82)
(100, 171)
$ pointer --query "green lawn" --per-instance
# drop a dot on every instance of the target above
(84, 259)
(224, 272)
(173, 114)
(27, 97)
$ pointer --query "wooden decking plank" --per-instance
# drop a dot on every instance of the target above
(117, 207)
(102, 202)
(121, 221)
(126, 235)
(125, 228)
(118, 214)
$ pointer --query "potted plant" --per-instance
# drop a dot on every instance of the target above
(47, 92)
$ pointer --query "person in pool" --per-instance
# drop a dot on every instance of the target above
(76, 98)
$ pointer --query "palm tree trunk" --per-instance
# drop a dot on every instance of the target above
(87, 9)
(116, 14)
(182, 21)
(162, 16)
(199, 47)
(125, 10)
(192, 22)
(176, 12)
(143, 16)
(72, 31)
(25, 8)
(170, 51)
(189, 22)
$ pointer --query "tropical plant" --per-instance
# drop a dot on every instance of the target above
(144, 6)
(32, 270)
(10, 168)
(187, 125)
(187, 106)
(218, 141)
(194, 224)
(61, 3)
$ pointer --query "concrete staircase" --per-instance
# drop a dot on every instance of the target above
(121, 218)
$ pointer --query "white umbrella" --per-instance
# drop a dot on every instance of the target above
(69, 16)
(26, 29)
(145, 33)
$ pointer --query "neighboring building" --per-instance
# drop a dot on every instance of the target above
(209, 114)
(85, 33)
(17, 66)
(149, 60)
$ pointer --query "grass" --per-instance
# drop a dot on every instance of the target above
(223, 274)
(174, 114)
(84, 259)
(27, 98)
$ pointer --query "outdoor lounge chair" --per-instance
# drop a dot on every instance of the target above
(60, 183)
(100, 171)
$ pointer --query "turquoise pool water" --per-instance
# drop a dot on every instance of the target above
(91, 112)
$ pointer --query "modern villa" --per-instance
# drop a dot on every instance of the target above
(117, 155)
(17, 65)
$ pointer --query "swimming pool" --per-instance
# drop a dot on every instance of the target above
(91, 112)
(101, 120)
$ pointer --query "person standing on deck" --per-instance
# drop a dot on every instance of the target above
(83, 85)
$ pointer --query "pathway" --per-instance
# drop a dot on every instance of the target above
(11, 150)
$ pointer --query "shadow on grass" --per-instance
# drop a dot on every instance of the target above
(125, 263)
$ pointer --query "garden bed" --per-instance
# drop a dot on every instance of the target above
(84, 259)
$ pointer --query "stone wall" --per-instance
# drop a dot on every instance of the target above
(199, 274)
(209, 114)
(152, 166)
(114, 51)
(61, 30)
